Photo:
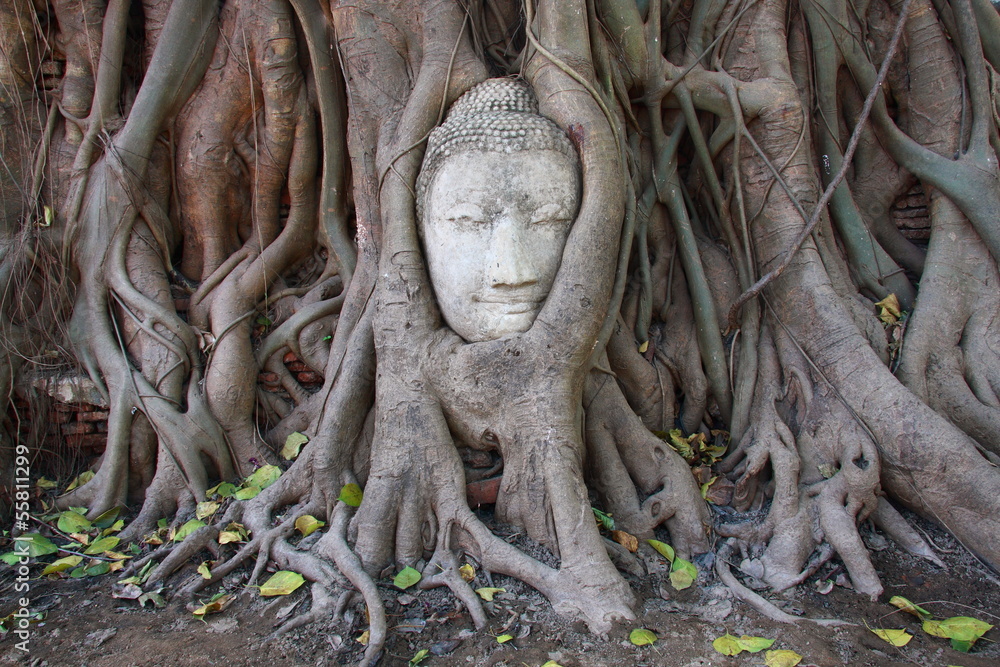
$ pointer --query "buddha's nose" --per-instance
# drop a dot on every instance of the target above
(510, 261)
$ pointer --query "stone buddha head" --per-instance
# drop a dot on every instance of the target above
(497, 193)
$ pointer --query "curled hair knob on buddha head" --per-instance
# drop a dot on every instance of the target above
(497, 115)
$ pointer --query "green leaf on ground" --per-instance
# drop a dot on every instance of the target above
(663, 549)
(187, 529)
(247, 493)
(503, 639)
(282, 582)
(307, 524)
(293, 445)
(223, 490)
(73, 522)
(487, 593)
(62, 564)
(406, 578)
(108, 519)
(642, 637)
(205, 571)
(351, 495)
(894, 637)
(907, 606)
(605, 521)
(782, 658)
(263, 477)
(45, 484)
(98, 569)
(419, 656)
(682, 573)
(552, 663)
(102, 545)
(963, 631)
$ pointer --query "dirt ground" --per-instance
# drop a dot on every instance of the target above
(85, 625)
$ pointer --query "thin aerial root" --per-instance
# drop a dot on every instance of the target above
(334, 544)
(763, 606)
(323, 607)
(191, 545)
(892, 523)
(448, 575)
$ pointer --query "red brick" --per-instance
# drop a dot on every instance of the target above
(102, 427)
(95, 416)
(67, 407)
(78, 428)
(181, 305)
(93, 441)
(483, 492)
(297, 367)
(269, 378)
(289, 357)
(59, 417)
(309, 377)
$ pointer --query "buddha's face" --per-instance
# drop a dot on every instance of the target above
(494, 226)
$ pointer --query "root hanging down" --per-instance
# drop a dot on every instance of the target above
(223, 214)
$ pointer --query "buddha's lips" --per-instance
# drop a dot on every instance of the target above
(508, 300)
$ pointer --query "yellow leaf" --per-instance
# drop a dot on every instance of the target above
(363, 638)
(889, 309)
(782, 658)
(727, 645)
(894, 637)
(642, 637)
(909, 607)
(754, 644)
(61, 564)
(663, 549)
(281, 582)
(227, 536)
(206, 509)
(213, 607)
(293, 445)
(80, 480)
(488, 593)
(552, 663)
(307, 524)
(204, 571)
(45, 484)
(351, 495)
(468, 572)
(644, 347)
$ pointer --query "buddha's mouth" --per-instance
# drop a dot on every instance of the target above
(509, 303)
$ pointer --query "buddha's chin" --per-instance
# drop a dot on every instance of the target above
(491, 325)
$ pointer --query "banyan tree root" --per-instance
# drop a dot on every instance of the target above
(250, 192)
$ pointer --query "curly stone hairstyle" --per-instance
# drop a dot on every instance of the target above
(497, 115)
